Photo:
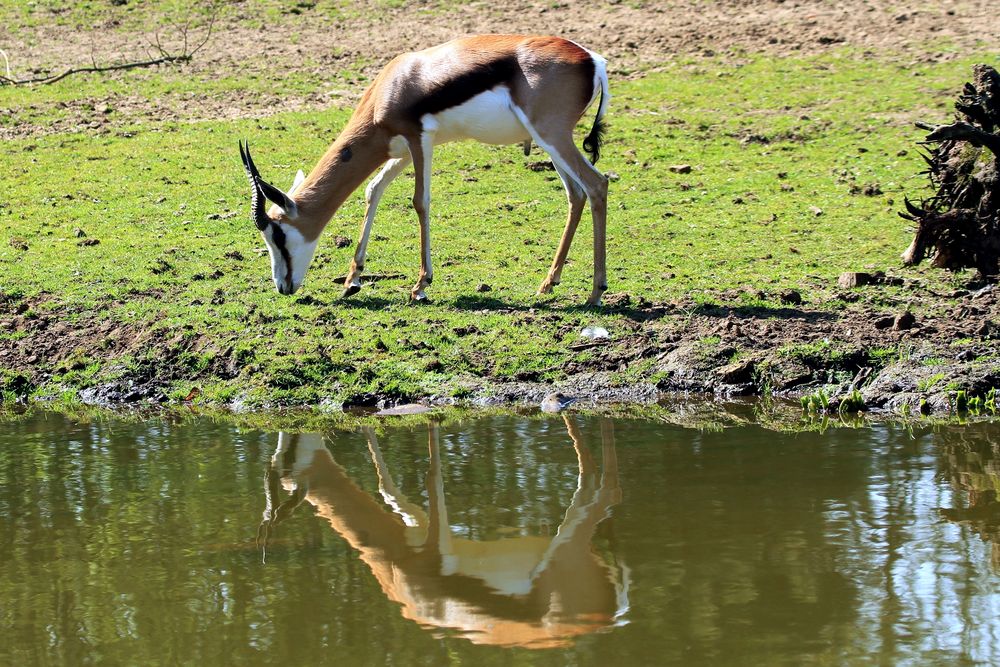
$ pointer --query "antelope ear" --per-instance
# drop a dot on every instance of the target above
(299, 177)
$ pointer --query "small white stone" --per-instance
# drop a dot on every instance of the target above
(594, 333)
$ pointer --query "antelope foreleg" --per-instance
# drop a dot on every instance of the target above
(373, 195)
(420, 150)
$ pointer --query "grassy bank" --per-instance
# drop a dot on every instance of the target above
(129, 255)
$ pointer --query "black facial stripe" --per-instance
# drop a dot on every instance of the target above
(278, 236)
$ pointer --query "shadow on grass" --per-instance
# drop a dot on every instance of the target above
(760, 312)
(367, 302)
(639, 313)
(494, 303)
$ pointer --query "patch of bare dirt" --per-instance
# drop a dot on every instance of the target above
(635, 37)
(53, 346)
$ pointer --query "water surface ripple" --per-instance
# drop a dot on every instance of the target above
(564, 539)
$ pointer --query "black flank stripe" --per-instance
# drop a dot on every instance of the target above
(465, 86)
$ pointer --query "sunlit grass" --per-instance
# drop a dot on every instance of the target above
(779, 149)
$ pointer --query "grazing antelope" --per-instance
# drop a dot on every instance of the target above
(536, 591)
(496, 89)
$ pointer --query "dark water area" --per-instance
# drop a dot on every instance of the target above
(497, 540)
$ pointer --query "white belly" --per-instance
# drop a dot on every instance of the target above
(488, 118)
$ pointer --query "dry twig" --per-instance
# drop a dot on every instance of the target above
(165, 57)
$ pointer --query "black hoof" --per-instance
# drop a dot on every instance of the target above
(351, 290)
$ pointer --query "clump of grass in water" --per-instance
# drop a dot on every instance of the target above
(965, 402)
(819, 403)
(853, 402)
(815, 403)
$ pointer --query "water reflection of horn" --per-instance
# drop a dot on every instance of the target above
(272, 516)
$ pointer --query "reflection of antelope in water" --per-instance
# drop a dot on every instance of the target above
(536, 591)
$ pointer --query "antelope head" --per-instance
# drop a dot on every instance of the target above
(291, 251)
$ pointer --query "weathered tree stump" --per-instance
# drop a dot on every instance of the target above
(959, 226)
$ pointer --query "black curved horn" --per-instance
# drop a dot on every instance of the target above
(263, 190)
(257, 214)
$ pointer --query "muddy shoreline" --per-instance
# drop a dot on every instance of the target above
(904, 349)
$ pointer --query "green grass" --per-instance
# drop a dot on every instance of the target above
(149, 14)
(768, 140)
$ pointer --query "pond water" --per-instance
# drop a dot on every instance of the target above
(499, 540)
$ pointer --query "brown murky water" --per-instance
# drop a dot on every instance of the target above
(501, 540)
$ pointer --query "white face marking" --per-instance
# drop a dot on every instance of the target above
(488, 118)
(297, 251)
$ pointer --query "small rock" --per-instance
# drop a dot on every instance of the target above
(851, 279)
(982, 291)
(593, 332)
(681, 169)
(904, 321)
(790, 296)
(737, 372)
(556, 402)
(341, 241)
(816, 210)
(407, 409)
(88, 242)
(483, 287)
(79, 233)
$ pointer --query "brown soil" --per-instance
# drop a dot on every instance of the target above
(636, 37)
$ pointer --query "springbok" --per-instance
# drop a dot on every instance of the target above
(535, 591)
(496, 89)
